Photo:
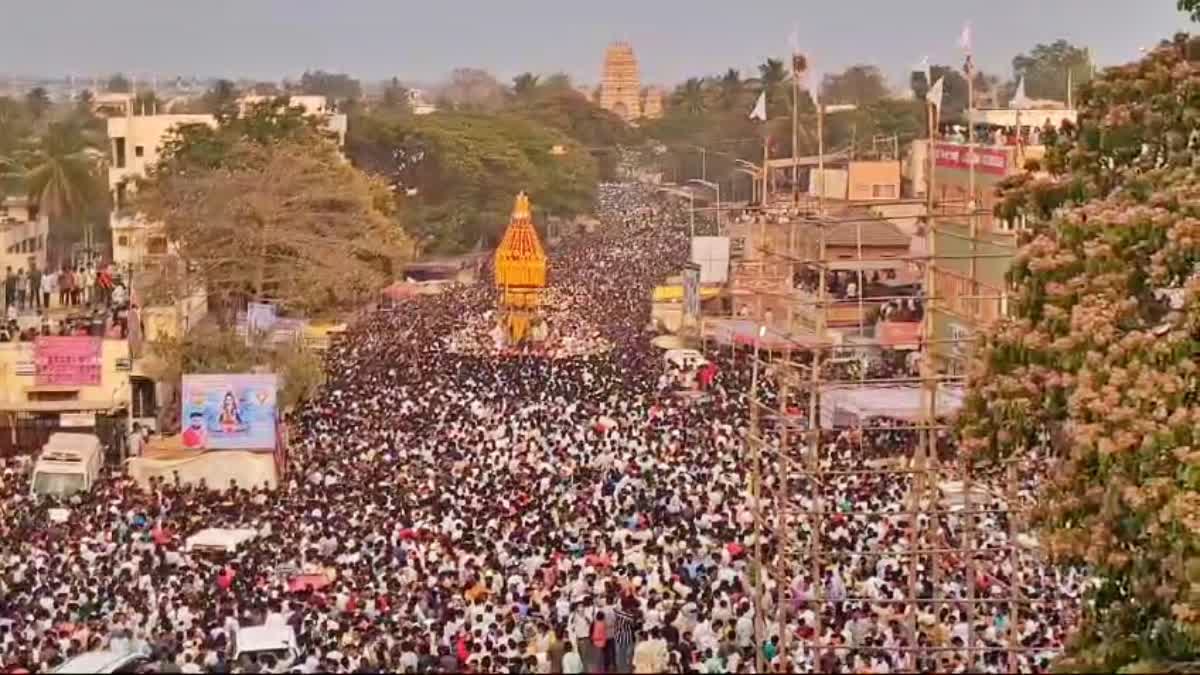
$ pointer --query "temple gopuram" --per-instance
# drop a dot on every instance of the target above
(620, 85)
(520, 274)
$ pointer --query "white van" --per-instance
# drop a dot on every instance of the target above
(68, 463)
(218, 540)
(273, 647)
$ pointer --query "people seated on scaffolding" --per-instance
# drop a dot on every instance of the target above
(520, 276)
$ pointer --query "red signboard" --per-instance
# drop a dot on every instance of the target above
(992, 161)
(899, 334)
(68, 361)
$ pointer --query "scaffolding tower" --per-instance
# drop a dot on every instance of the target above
(958, 516)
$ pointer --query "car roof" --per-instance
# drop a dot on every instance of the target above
(97, 662)
(262, 638)
(220, 537)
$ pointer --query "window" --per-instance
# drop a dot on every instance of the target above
(119, 152)
(156, 246)
(122, 240)
(883, 191)
(120, 197)
(138, 151)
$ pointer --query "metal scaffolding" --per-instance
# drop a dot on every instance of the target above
(804, 458)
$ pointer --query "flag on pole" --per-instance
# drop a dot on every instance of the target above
(760, 108)
(964, 42)
(964, 38)
(934, 95)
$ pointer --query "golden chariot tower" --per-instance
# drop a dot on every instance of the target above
(520, 273)
(620, 84)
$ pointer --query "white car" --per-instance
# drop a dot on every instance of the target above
(274, 647)
(106, 661)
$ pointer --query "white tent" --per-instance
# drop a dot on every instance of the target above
(844, 406)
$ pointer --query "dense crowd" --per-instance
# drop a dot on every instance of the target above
(515, 513)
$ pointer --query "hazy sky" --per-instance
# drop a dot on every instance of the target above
(423, 40)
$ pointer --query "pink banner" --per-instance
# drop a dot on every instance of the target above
(986, 160)
(68, 361)
(899, 334)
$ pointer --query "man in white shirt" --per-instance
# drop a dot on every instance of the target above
(571, 663)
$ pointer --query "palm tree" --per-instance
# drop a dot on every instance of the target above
(525, 84)
(730, 88)
(64, 179)
(771, 74)
(690, 96)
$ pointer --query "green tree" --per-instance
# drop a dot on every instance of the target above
(337, 87)
(567, 110)
(1046, 67)
(557, 81)
(395, 96)
(208, 349)
(465, 168)
(1192, 7)
(1100, 355)
(691, 96)
(731, 89)
(64, 177)
(118, 84)
(146, 103)
(524, 85)
(220, 99)
(38, 102)
(860, 85)
(771, 74)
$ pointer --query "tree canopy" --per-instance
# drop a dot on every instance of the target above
(1046, 67)
(861, 85)
(263, 207)
(464, 168)
(1100, 355)
(337, 87)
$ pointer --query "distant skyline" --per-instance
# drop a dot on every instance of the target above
(422, 42)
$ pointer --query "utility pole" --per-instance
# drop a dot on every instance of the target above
(756, 495)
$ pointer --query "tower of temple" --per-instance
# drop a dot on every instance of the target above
(620, 85)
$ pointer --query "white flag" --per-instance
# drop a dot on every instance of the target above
(964, 40)
(1019, 100)
(934, 95)
(760, 108)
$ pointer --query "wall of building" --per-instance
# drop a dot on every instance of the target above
(869, 180)
(135, 142)
(17, 376)
(835, 183)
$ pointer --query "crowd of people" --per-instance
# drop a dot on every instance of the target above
(477, 512)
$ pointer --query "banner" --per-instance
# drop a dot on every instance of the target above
(260, 316)
(691, 294)
(986, 160)
(229, 412)
(68, 361)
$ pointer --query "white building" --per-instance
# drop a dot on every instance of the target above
(23, 234)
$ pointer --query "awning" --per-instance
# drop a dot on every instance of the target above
(59, 406)
(745, 332)
(52, 388)
(877, 264)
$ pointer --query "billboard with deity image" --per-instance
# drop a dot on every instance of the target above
(229, 412)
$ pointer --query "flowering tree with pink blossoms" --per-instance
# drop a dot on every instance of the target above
(1100, 355)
